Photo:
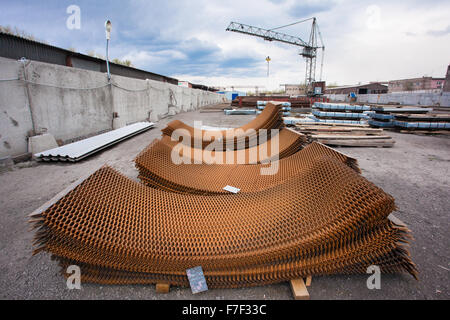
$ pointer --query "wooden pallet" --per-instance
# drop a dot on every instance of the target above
(298, 287)
(346, 135)
(386, 143)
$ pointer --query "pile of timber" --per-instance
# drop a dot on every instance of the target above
(356, 135)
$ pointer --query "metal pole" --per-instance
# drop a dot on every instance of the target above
(107, 59)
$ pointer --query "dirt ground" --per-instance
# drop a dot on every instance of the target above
(415, 172)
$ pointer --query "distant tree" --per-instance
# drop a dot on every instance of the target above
(123, 62)
(94, 54)
(19, 33)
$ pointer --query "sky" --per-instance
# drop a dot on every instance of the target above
(186, 39)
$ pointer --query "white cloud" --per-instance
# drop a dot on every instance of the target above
(365, 40)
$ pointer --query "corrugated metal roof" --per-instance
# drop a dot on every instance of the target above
(78, 150)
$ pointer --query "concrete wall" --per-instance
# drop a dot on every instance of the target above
(84, 106)
(410, 98)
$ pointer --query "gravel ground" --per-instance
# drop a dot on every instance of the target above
(415, 172)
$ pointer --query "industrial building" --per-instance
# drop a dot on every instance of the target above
(294, 89)
(373, 87)
(299, 89)
(447, 81)
(429, 84)
(14, 47)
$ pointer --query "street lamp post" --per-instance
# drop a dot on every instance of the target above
(108, 27)
(268, 61)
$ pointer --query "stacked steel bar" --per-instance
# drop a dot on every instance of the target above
(340, 113)
(422, 121)
(384, 115)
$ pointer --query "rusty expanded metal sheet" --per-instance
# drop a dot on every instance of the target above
(287, 143)
(315, 216)
(270, 118)
(325, 220)
(156, 169)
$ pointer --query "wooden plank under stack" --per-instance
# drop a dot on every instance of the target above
(346, 135)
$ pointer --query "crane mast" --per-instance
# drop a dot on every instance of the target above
(309, 49)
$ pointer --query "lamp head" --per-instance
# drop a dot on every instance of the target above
(108, 28)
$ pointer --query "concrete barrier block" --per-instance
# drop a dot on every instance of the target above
(41, 143)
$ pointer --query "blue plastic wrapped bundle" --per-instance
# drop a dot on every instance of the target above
(240, 112)
(423, 125)
(292, 121)
(284, 108)
(382, 124)
(285, 113)
(381, 116)
(340, 106)
(341, 121)
(264, 103)
(352, 115)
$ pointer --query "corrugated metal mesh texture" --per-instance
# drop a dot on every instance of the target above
(280, 145)
(324, 220)
(156, 169)
(317, 215)
(270, 118)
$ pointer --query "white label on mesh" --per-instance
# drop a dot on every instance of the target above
(231, 189)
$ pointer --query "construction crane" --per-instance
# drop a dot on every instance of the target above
(309, 51)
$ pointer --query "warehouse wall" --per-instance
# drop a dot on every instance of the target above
(410, 98)
(71, 103)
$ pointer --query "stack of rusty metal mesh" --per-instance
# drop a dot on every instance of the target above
(281, 144)
(232, 139)
(157, 169)
(324, 220)
(316, 215)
